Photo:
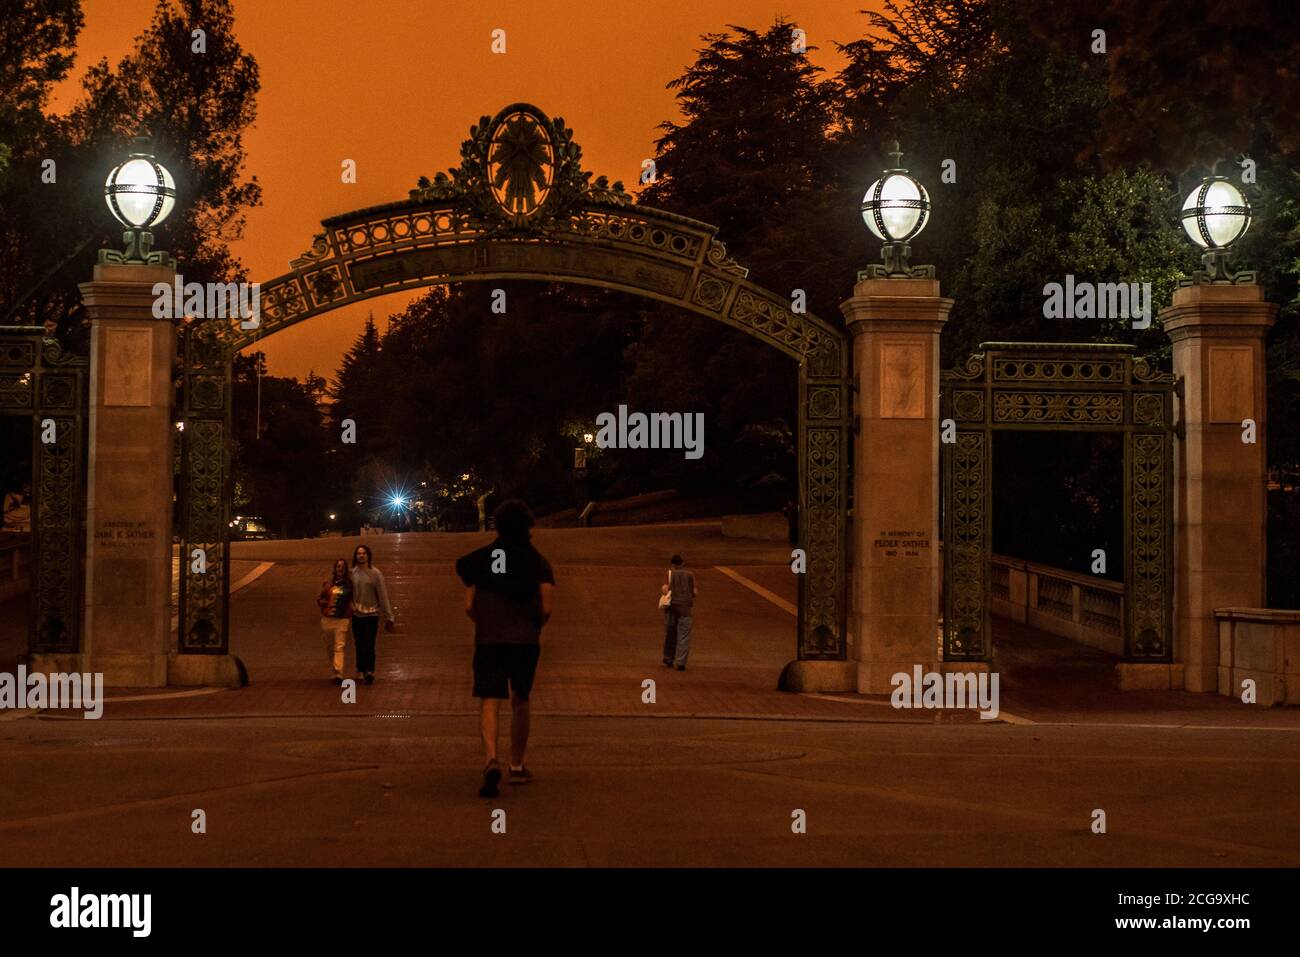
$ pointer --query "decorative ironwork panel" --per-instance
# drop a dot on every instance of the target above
(966, 548)
(823, 511)
(19, 353)
(1085, 387)
(205, 491)
(16, 392)
(39, 380)
(1022, 369)
(1094, 408)
(1148, 574)
(59, 504)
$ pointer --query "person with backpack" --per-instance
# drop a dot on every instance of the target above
(508, 596)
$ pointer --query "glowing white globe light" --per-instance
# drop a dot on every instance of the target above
(896, 207)
(140, 192)
(1215, 214)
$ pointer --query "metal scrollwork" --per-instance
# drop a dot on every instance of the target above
(966, 549)
(205, 489)
(1049, 386)
(1148, 586)
(41, 380)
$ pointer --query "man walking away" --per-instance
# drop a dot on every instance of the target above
(682, 591)
(508, 595)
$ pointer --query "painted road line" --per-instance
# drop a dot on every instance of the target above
(248, 579)
(1165, 727)
(844, 700)
(195, 693)
(1005, 716)
(786, 606)
(252, 576)
(758, 589)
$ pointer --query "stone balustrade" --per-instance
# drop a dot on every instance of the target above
(1260, 645)
(1083, 608)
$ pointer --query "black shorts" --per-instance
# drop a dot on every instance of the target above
(496, 666)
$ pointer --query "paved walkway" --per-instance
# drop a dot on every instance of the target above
(605, 639)
(603, 643)
(400, 791)
(284, 777)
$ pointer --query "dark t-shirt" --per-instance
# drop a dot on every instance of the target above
(507, 604)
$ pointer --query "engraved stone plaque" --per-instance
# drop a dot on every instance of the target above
(1232, 386)
(126, 370)
(902, 380)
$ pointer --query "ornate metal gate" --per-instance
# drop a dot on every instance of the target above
(205, 489)
(520, 206)
(39, 379)
(1065, 386)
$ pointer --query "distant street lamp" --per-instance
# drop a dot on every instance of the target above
(895, 208)
(588, 437)
(1215, 215)
(140, 194)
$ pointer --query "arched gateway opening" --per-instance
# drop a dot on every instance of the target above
(520, 206)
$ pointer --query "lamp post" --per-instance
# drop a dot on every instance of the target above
(896, 208)
(140, 193)
(1215, 215)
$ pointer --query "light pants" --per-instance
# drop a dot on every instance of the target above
(335, 632)
(683, 637)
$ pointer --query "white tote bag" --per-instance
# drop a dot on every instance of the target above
(666, 600)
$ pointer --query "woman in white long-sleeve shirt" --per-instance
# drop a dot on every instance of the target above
(369, 600)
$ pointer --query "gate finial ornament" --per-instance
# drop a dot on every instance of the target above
(521, 172)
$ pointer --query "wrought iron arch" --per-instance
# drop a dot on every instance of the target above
(520, 206)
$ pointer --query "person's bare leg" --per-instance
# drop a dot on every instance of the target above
(488, 723)
(518, 730)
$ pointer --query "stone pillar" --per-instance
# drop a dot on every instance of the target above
(129, 487)
(897, 573)
(1220, 506)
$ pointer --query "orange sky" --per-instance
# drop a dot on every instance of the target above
(396, 84)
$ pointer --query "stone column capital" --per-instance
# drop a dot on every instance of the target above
(1219, 311)
(124, 291)
(896, 305)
